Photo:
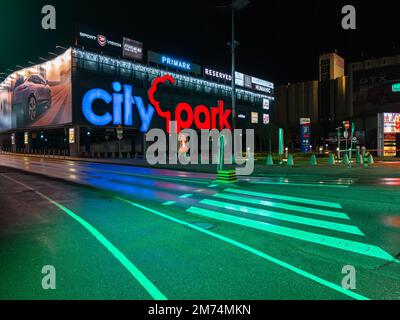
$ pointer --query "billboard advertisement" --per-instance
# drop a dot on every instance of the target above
(37, 96)
(102, 41)
(305, 135)
(175, 63)
(249, 82)
(375, 90)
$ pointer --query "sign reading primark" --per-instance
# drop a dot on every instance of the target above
(172, 62)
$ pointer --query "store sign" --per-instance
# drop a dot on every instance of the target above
(185, 115)
(125, 47)
(122, 101)
(217, 74)
(265, 118)
(71, 135)
(172, 62)
(391, 129)
(305, 135)
(263, 86)
(265, 104)
(396, 87)
(132, 49)
(254, 117)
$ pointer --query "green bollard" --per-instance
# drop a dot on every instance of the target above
(359, 158)
(270, 161)
(331, 160)
(313, 160)
(346, 160)
(370, 159)
(290, 161)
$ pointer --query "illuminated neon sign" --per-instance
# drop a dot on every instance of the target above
(396, 87)
(172, 62)
(202, 117)
(118, 99)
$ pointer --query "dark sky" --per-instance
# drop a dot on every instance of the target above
(279, 40)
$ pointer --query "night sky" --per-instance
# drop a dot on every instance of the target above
(279, 40)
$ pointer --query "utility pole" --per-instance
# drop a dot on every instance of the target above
(233, 47)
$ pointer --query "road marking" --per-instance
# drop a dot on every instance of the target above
(338, 243)
(286, 198)
(285, 217)
(301, 184)
(253, 251)
(185, 196)
(169, 203)
(327, 213)
(136, 273)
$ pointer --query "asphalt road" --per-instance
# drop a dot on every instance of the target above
(120, 232)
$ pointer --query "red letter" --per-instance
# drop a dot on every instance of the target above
(183, 124)
(223, 116)
(205, 125)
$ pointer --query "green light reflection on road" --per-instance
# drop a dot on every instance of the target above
(253, 251)
(279, 216)
(286, 198)
(321, 212)
(338, 243)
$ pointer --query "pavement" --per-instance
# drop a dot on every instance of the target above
(127, 232)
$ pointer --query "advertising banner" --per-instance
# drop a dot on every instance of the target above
(375, 90)
(305, 135)
(105, 41)
(37, 96)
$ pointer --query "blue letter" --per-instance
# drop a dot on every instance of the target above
(117, 102)
(128, 100)
(87, 110)
(145, 115)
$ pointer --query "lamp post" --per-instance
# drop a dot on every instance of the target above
(236, 5)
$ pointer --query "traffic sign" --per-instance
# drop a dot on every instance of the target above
(346, 125)
(345, 134)
(120, 133)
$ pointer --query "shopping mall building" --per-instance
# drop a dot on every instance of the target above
(101, 96)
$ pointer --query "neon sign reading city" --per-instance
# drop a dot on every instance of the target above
(122, 109)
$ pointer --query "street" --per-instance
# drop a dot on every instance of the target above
(125, 232)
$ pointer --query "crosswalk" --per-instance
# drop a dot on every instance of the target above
(301, 180)
(313, 221)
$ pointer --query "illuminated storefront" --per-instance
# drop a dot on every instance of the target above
(76, 101)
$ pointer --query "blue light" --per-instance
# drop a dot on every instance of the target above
(145, 115)
(87, 109)
(116, 86)
(176, 63)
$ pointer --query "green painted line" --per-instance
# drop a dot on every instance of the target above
(136, 273)
(168, 203)
(185, 196)
(338, 243)
(285, 217)
(320, 212)
(300, 184)
(254, 251)
(286, 198)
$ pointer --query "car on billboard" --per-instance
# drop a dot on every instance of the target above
(382, 93)
(31, 98)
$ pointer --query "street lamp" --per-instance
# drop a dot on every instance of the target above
(236, 5)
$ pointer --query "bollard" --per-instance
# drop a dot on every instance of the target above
(346, 160)
(270, 161)
(370, 159)
(331, 160)
(290, 161)
(313, 160)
